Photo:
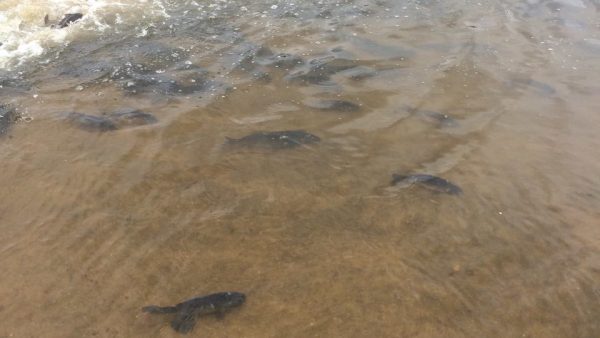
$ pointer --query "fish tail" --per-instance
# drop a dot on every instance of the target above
(455, 190)
(159, 309)
(229, 140)
(398, 178)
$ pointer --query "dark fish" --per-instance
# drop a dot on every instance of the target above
(8, 116)
(187, 312)
(360, 73)
(261, 76)
(68, 19)
(310, 77)
(285, 61)
(331, 65)
(276, 139)
(334, 105)
(134, 83)
(320, 70)
(326, 14)
(429, 181)
(541, 87)
(91, 122)
(131, 118)
(150, 83)
(244, 56)
(444, 120)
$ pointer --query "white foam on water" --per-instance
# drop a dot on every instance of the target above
(24, 36)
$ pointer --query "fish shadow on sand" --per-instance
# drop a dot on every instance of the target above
(430, 182)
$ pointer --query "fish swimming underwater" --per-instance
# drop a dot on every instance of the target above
(131, 118)
(187, 312)
(276, 139)
(126, 118)
(8, 116)
(91, 122)
(429, 181)
(333, 105)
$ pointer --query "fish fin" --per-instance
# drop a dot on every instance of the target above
(159, 309)
(220, 313)
(184, 322)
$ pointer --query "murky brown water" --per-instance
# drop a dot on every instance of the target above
(95, 225)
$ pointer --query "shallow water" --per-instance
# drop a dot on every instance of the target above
(499, 98)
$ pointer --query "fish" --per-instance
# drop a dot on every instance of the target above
(91, 122)
(131, 118)
(429, 181)
(276, 139)
(67, 20)
(443, 120)
(540, 87)
(320, 70)
(285, 60)
(360, 73)
(187, 312)
(8, 116)
(112, 121)
(334, 105)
